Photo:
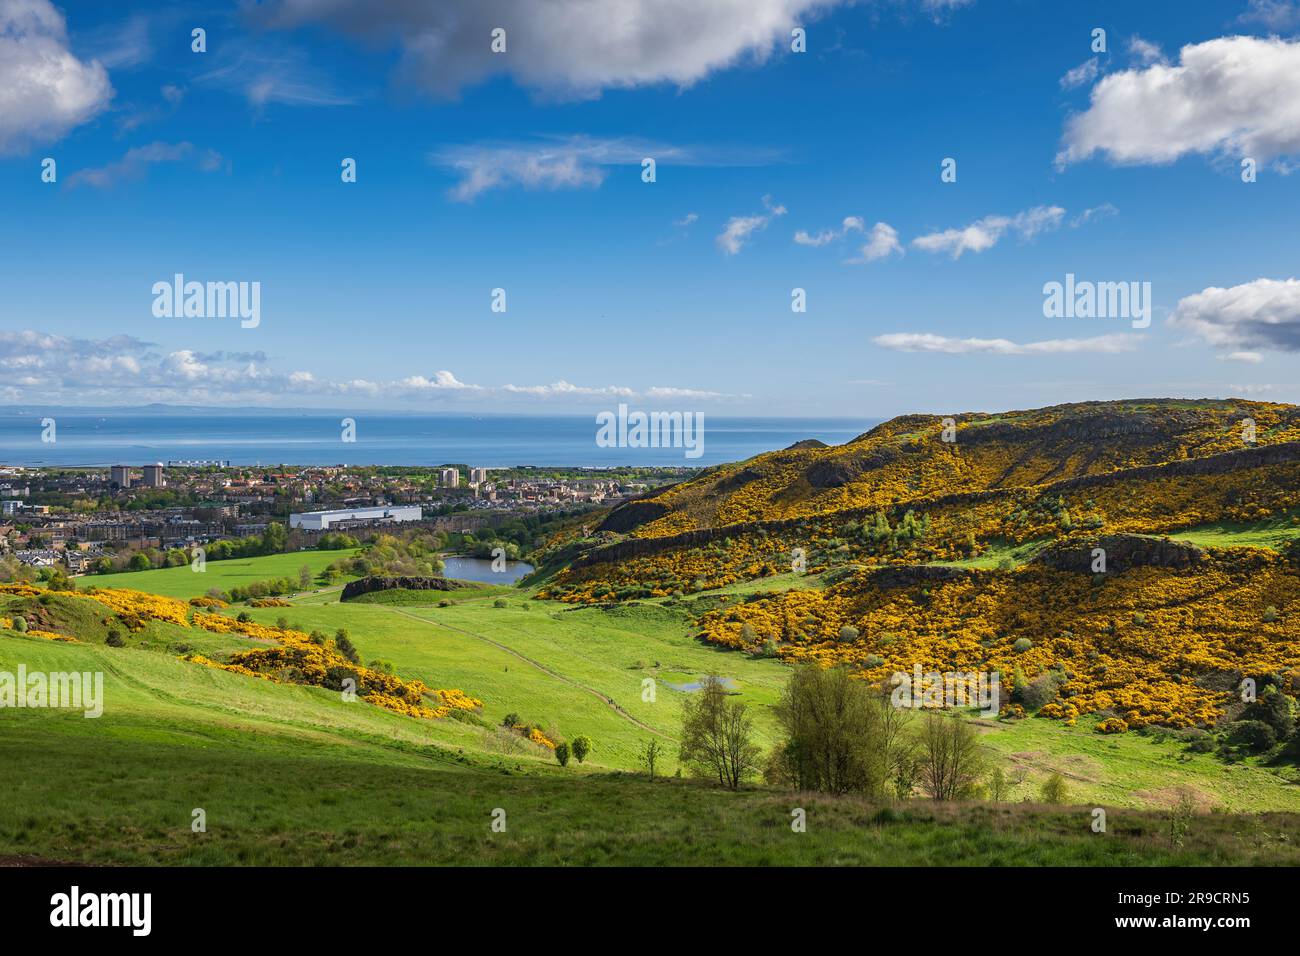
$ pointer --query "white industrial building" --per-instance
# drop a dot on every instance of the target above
(384, 514)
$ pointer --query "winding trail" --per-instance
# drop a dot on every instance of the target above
(608, 701)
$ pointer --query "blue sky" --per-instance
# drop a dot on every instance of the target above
(522, 171)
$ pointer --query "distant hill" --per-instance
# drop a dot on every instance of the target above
(907, 458)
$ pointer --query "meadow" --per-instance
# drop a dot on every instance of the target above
(289, 774)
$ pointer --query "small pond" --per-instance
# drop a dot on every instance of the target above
(480, 569)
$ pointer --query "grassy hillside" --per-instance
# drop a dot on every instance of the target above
(912, 457)
(291, 775)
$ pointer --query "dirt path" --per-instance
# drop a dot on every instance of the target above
(609, 701)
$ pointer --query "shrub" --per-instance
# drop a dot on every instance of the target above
(1254, 735)
(1022, 644)
(1055, 790)
(500, 602)
(1112, 725)
(114, 639)
(562, 753)
(1270, 614)
(511, 720)
(848, 634)
(581, 746)
(20, 625)
(1273, 709)
(1039, 691)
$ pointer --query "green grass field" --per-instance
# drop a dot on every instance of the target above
(292, 774)
(1276, 533)
(184, 582)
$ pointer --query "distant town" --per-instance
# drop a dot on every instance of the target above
(81, 519)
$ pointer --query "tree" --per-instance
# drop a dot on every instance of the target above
(139, 562)
(952, 760)
(274, 539)
(581, 747)
(1054, 790)
(651, 751)
(304, 576)
(562, 753)
(717, 735)
(999, 786)
(832, 732)
(344, 643)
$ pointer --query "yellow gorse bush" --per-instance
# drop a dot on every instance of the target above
(1150, 645)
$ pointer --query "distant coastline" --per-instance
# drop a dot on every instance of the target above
(99, 437)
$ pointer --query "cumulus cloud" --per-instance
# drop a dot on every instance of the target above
(739, 229)
(881, 244)
(45, 91)
(929, 342)
(1238, 96)
(135, 164)
(563, 48)
(1263, 315)
(56, 368)
(850, 224)
(985, 233)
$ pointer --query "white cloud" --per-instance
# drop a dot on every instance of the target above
(1239, 96)
(1104, 211)
(123, 370)
(1273, 14)
(1254, 389)
(662, 391)
(689, 219)
(850, 224)
(1145, 52)
(562, 48)
(571, 162)
(45, 91)
(929, 342)
(1253, 358)
(984, 234)
(264, 74)
(1263, 315)
(137, 161)
(1081, 75)
(881, 244)
(739, 229)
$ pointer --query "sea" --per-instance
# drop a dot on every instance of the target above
(34, 437)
